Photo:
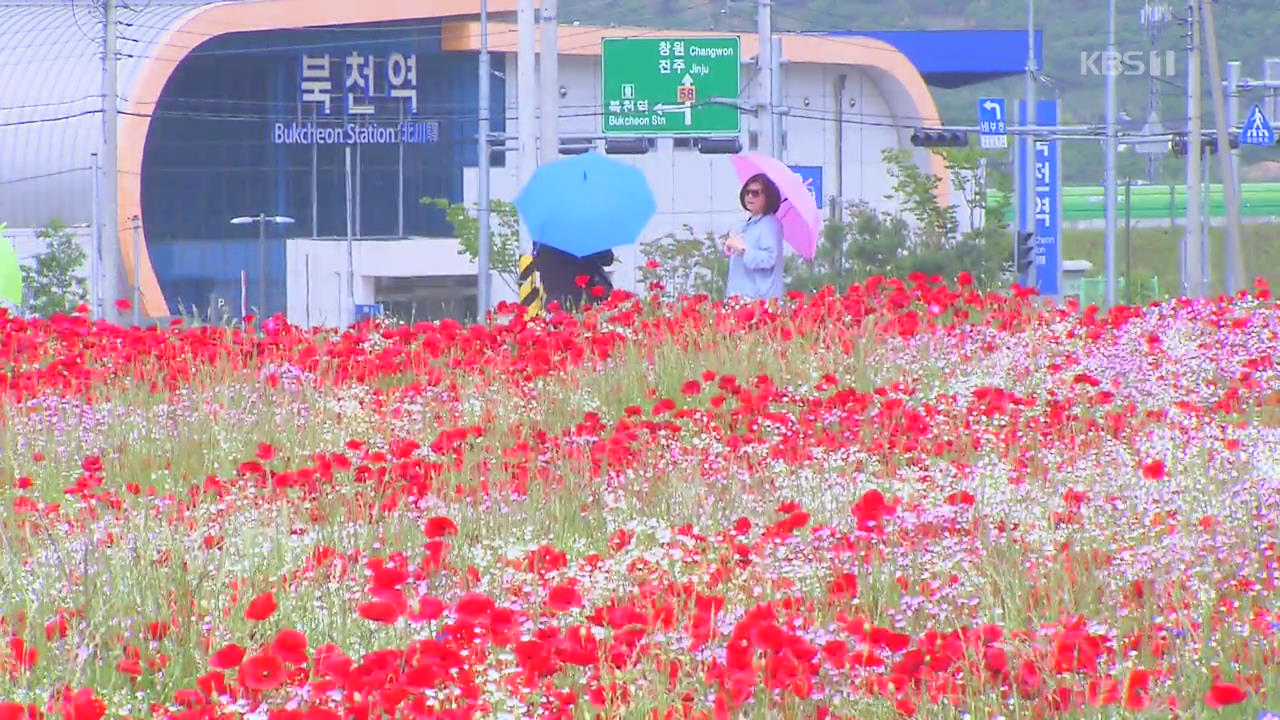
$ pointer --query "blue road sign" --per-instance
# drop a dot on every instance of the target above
(812, 175)
(992, 132)
(1047, 214)
(370, 310)
(1257, 130)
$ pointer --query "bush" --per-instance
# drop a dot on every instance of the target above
(684, 263)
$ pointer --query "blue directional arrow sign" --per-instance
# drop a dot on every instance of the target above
(991, 128)
(1256, 129)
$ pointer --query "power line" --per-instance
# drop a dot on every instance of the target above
(41, 176)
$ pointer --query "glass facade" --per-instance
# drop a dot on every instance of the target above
(258, 123)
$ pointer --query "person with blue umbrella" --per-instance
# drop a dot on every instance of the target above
(578, 209)
(560, 272)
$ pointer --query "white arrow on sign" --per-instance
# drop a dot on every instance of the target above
(684, 108)
(687, 82)
(994, 107)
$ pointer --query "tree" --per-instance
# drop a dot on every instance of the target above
(504, 235)
(684, 263)
(53, 282)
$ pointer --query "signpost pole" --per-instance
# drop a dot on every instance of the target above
(764, 61)
(526, 104)
(1109, 233)
(482, 162)
(262, 264)
(351, 261)
(549, 77)
(1030, 118)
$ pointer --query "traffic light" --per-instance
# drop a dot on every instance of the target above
(626, 146)
(1208, 144)
(1024, 252)
(576, 145)
(720, 145)
(940, 138)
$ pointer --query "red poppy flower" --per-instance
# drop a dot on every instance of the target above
(564, 597)
(228, 657)
(439, 526)
(262, 672)
(290, 646)
(1221, 694)
(261, 607)
(1154, 470)
(381, 611)
(83, 705)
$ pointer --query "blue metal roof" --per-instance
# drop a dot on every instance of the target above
(956, 58)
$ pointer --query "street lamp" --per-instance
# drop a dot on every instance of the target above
(262, 219)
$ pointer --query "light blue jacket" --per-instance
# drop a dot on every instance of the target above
(756, 274)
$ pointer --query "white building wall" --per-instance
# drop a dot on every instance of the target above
(689, 188)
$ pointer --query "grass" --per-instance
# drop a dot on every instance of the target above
(1155, 253)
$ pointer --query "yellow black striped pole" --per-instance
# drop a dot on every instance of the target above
(530, 287)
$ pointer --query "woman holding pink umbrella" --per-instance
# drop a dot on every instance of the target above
(755, 254)
(783, 210)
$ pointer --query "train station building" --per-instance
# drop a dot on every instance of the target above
(235, 110)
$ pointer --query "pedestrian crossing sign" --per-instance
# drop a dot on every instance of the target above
(1257, 130)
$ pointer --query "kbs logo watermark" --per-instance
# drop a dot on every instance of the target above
(1153, 63)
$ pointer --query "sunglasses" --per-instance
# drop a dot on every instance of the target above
(754, 192)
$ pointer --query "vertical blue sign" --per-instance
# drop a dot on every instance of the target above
(812, 175)
(1047, 214)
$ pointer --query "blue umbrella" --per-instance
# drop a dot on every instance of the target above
(585, 204)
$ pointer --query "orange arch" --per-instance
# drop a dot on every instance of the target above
(221, 19)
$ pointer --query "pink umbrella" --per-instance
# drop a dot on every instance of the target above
(801, 221)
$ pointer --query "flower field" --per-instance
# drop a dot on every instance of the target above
(910, 499)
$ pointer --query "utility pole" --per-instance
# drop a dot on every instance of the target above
(136, 222)
(482, 163)
(1233, 267)
(1154, 16)
(1194, 261)
(95, 257)
(526, 103)
(776, 101)
(764, 61)
(112, 274)
(1028, 218)
(1109, 181)
(1232, 83)
(549, 76)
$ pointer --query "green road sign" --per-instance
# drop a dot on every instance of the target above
(664, 86)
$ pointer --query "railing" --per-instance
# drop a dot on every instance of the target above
(1093, 291)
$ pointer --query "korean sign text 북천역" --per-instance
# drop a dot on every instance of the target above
(368, 87)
